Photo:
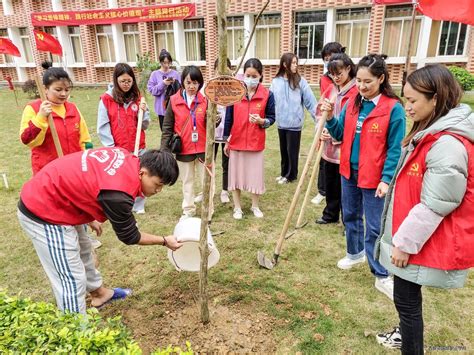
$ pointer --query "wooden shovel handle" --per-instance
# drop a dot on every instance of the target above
(52, 127)
(139, 127)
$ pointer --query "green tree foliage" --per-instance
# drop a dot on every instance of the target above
(465, 79)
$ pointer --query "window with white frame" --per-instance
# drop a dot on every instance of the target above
(131, 37)
(195, 40)
(76, 44)
(53, 32)
(452, 38)
(235, 37)
(267, 42)
(352, 30)
(164, 38)
(397, 31)
(6, 57)
(25, 42)
(105, 43)
(309, 33)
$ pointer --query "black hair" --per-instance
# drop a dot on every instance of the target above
(331, 48)
(256, 64)
(229, 64)
(340, 61)
(375, 64)
(51, 74)
(162, 164)
(120, 96)
(164, 54)
(285, 68)
(194, 73)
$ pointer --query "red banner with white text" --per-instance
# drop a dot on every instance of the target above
(118, 15)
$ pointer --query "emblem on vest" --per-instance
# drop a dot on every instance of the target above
(375, 128)
(134, 107)
(76, 126)
(414, 170)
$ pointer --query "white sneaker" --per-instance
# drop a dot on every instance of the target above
(283, 181)
(238, 214)
(225, 196)
(95, 243)
(256, 212)
(318, 199)
(385, 285)
(345, 263)
(198, 198)
(278, 178)
(391, 340)
(185, 216)
(142, 211)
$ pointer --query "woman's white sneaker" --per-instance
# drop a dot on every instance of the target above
(256, 212)
(346, 263)
(391, 340)
(318, 199)
(278, 178)
(385, 285)
(238, 214)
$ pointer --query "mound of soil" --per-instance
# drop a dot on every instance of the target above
(231, 328)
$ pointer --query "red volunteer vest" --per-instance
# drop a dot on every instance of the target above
(65, 192)
(373, 142)
(245, 135)
(69, 134)
(196, 122)
(123, 123)
(324, 82)
(451, 247)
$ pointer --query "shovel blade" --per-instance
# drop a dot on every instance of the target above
(264, 261)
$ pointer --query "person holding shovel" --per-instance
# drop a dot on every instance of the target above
(342, 71)
(117, 117)
(371, 127)
(89, 187)
(68, 121)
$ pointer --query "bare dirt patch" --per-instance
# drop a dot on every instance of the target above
(233, 328)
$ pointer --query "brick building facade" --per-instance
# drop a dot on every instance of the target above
(300, 26)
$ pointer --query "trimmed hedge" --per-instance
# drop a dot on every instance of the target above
(39, 327)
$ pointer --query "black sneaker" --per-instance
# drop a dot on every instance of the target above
(391, 340)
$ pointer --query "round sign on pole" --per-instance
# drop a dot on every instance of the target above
(225, 90)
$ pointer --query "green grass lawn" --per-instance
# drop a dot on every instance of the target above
(305, 295)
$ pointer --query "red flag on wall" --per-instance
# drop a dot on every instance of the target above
(447, 10)
(47, 43)
(7, 47)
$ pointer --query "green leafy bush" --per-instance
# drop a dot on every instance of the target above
(30, 88)
(465, 79)
(39, 327)
(145, 66)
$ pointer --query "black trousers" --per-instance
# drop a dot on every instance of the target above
(162, 119)
(322, 178)
(333, 191)
(408, 302)
(289, 153)
(225, 164)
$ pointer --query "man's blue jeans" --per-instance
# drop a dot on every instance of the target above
(359, 204)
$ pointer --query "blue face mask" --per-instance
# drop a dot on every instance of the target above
(251, 82)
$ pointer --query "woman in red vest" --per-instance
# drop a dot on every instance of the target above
(342, 71)
(117, 116)
(186, 116)
(324, 83)
(371, 127)
(245, 126)
(70, 125)
(428, 221)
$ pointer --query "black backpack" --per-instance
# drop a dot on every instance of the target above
(172, 89)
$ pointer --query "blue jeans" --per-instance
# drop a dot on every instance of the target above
(358, 203)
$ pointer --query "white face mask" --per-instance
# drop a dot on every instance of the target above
(251, 82)
(325, 69)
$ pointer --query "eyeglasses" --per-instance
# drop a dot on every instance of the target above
(129, 82)
(334, 76)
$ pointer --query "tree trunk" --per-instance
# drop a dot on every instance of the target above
(209, 161)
